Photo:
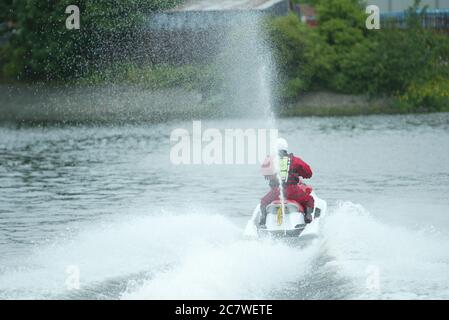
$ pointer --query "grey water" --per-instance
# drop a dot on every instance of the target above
(108, 201)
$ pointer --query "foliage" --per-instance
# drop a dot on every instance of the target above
(341, 55)
(6, 11)
(432, 95)
(203, 78)
(42, 48)
(300, 54)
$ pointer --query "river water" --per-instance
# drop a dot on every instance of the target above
(105, 204)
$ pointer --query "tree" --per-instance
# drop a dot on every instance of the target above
(42, 48)
(301, 54)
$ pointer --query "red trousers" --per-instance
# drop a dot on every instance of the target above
(291, 192)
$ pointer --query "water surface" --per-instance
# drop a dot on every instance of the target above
(107, 200)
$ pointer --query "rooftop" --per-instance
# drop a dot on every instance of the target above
(218, 5)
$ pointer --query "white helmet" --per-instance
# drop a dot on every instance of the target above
(281, 144)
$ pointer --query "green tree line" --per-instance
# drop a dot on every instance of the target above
(342, 55)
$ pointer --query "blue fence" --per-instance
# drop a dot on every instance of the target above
(432, 19)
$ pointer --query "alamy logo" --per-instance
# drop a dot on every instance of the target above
(73, 20)
(373, 20)
(72, 281)
(373, 278)
(215, 146)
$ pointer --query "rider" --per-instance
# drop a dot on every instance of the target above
(291, 168)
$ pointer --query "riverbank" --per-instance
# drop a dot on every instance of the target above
(133, 103)
(329, 104)
(98, 104)
(308, 67)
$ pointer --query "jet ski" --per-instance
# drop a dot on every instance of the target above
(285, 219)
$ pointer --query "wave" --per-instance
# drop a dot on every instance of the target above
(200, 255)
(384, 261)
(238, 270)
(114, 250)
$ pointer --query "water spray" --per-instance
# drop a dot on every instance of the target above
(281, 189)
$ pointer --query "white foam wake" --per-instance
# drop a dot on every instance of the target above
(239, 270)
(116, 249)
(203, 255)
(384, 261)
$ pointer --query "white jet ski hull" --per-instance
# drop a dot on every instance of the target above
(287, 223)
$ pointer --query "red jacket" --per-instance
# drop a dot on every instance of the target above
(300, 193)
(299, 167)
